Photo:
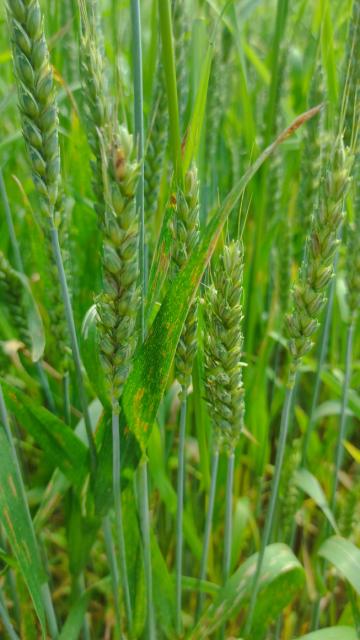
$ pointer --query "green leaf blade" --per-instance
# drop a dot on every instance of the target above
(307, 482)
(345, 556)
(17, 523)
(331, 633)
(61, 445)
(281, 578)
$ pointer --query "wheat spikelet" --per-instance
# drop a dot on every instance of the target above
(94, 90)
(309, 294)
(40, 129)
(186, 232)
(36, 98)
(223, 342)
(117, 305)
(353, 255)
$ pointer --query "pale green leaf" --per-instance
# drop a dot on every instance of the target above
(345, 556)
(331, 633)
(310, 485)
(75, 620)
(197, 118)
(281, 578)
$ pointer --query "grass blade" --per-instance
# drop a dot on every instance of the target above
(193, 134)
(19, 528)
(305, 481)
(281, 578)
(57, 440)
(345, 556)
(331, 633)
(171, 85)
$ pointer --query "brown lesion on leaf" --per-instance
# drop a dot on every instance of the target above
(119, 163)
(139, 394)
(26, 551)
(184, 141)
(298, 122)
(173, 200)
(164, 259)
(12, 486)
(9, 522)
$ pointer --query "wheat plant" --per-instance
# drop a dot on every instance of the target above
(179, 233)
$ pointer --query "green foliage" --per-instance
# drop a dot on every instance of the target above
(52, 435)
(331, 633)
(231, 246)
(18, 526)
(305, 481)
(156, 148)
(345, 557)
(281, 579)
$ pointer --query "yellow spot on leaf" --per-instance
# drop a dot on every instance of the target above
(12, 486)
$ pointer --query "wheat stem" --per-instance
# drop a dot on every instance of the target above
(208, 528)
(45, 386)
(74, 341)
(228, 516)
(228, 525)
(339, 451)
(119, 518)
(284, 427)
(49, 611)
(139, 136)
(111, 557)
(86, 625)
(143, 493)
(66, 395)
(6, 620)
(180, 510)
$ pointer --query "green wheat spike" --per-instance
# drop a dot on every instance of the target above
(223, 342)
